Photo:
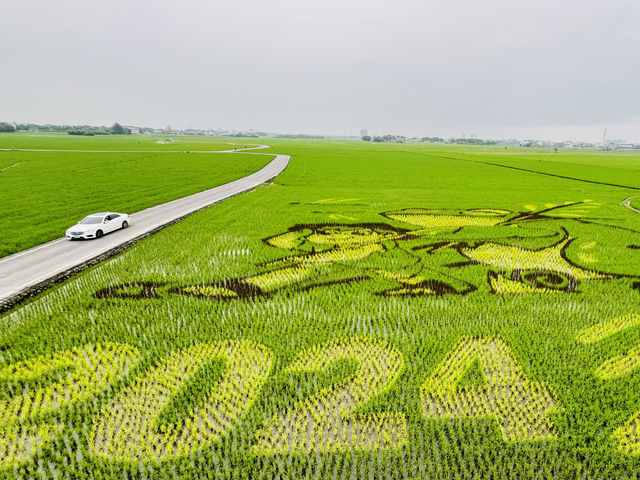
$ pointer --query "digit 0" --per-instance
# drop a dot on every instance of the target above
(130, 427)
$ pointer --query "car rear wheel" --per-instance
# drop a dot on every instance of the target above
(125, 224)
(99, 233)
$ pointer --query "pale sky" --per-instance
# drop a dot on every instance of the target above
(554, 69)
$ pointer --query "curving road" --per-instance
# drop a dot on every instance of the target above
(626, 203)
(33, 270)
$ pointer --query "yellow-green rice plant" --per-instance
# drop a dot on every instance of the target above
(286, 241)
(357, 252)
(605, 329)
(329, 421)
(548, 259)
(129, 427)
(51, 383)
(297, 268)
(627, 436)
(428, 219)
(621, 364)
(209, 291)
(502, 285)
(520, 406)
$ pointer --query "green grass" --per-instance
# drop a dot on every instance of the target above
(595, 166)
(43, 193)
(62, 141)
(324, 317)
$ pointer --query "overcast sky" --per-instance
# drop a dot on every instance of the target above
(553, 69)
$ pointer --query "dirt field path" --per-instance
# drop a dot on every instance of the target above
(626, 203)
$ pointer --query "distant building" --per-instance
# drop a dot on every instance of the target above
(390, 139)
(194, 131)
(134, 130)
(626, 146)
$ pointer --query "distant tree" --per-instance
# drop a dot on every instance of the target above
(7, 127)
(80, 131)
(366, 138)
(118, 129)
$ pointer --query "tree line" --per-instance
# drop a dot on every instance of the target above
(87, 130)
(402, 139)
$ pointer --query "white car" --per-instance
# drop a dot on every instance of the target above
(97, 224)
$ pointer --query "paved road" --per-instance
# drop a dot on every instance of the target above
(627, 204)
(28, 271)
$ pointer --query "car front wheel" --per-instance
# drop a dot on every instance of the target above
(99, 233)
(125, 224)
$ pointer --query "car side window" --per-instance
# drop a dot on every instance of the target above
(114, 216)
(106, 219)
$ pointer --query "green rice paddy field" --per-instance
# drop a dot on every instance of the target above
(379, 311)
(42, 193)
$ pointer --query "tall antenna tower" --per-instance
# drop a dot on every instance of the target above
(604, 138)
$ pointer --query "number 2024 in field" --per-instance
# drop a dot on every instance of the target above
(128, 427)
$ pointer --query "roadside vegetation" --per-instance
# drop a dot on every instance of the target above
(378, 311)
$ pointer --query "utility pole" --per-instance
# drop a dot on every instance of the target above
(604, 139)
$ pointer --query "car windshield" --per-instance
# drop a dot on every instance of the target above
(88, 220)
